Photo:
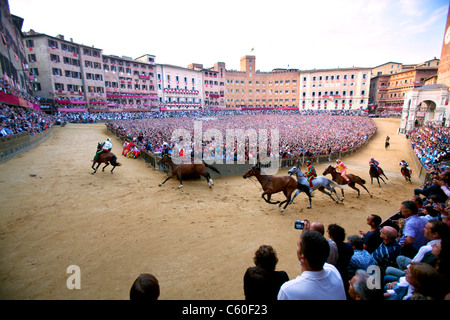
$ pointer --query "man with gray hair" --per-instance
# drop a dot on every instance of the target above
(358, 289)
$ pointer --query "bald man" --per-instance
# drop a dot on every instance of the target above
(387, 252)
(319, 227)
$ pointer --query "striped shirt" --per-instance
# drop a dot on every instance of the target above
(386, 254)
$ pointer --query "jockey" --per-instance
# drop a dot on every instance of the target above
(310, 173)
(340, 166)
(376, 164)
(405, 164)
(106, 147)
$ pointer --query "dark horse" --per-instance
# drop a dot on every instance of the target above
(376, 173)
(185, 169)
(342, 182)
(106, 158)
(275, 184)
(406, 173)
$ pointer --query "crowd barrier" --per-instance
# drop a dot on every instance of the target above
(11, 146)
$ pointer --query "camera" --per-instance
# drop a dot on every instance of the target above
(299, 224)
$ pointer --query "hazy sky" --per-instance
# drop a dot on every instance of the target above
(296, 33)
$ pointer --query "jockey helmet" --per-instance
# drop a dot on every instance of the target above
(308, 161)
(108, 139)
(338, 160)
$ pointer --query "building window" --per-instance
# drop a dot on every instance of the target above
(53, 44)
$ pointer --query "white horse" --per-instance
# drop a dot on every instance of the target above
(320, 183)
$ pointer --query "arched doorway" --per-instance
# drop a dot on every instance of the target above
(427, 103)
(425, 112)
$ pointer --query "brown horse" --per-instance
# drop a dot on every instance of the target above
(374, 173)
(337, 177)
(106, 158)
(406, 173)
(274, 184)
(186, 169)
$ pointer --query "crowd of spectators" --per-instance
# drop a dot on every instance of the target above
(431, 143)
(19, 119)
(299, 133)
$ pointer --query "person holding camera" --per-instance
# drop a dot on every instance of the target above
(319, 280)
(319, 227)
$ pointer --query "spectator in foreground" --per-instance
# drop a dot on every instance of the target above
(145, 288)
(319, 280)
(262, 282)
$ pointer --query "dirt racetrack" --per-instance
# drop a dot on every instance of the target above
(198, 242)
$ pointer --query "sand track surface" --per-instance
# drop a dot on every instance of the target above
(197, 241)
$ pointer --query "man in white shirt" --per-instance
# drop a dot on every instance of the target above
(319, 280)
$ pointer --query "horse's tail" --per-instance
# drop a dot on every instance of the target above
(334, 184)
(212, 168)
(114, 161)
(362, 180)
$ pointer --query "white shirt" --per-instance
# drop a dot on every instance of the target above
(314, 285)
(107, 145)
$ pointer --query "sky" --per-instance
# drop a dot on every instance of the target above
(298, 34)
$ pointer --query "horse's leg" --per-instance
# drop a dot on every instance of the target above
(208, 179)
(353, 186)
(103, 169)
(284, 201)
(179, 178)
(113, 169)
(322, 189)
(334, 191)
(96, 168)
(170, 176)
(362, 185)
(295, 195)
(269, 195)
(288, 195)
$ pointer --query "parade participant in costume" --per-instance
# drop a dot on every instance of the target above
(125, 148)
(342, 169)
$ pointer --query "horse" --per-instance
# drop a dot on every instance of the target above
(186, 169)
(406, 173)
(387, 144)
(320, 183)
(337, 177)
(376, 173)
(275, 184)
(107, 158)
